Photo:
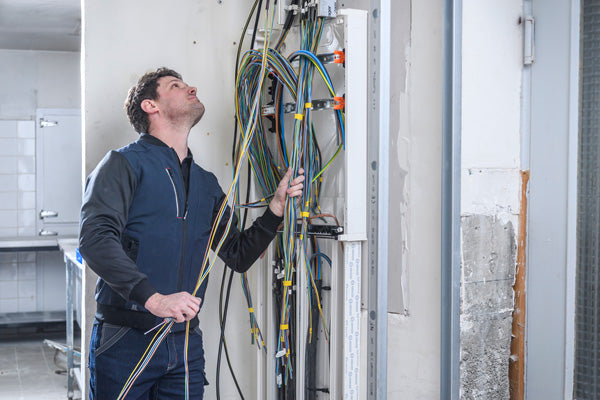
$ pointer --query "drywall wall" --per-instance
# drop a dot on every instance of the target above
(415, 208)
(490, 192)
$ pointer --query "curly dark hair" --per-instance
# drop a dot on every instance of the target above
(144, 89)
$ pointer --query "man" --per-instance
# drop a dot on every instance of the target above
(146, 217)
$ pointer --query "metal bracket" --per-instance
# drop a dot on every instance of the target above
(337, 57)
(48, 214)
(44, 123)
(336, 103)
(320, 231)
(528, 40)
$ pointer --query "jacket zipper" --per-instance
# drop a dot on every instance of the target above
(183, 225)
(182, 262)
(170, 173)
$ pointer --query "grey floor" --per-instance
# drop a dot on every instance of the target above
(31, 370)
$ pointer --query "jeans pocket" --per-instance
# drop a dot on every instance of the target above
(197, 331)
(110, 335)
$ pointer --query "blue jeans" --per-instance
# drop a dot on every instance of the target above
(115, 351)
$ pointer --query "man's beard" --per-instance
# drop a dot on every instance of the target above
(190, 116)
(199, 116)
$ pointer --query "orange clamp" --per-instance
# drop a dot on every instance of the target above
(340, 57)
(340, 103)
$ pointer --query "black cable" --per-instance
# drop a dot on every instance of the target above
(222, 321)
(310, 374)
(222, 339)
(256, 25)
(229, 364)
(289, 21)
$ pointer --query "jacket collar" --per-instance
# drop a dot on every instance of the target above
(148, 138)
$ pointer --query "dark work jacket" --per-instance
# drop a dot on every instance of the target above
(142, 234)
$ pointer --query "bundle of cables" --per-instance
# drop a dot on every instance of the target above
(297, 150)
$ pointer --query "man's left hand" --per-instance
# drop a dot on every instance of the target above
(277, 205)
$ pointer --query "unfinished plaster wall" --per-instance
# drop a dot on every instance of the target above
(415, 200)
(490, 193)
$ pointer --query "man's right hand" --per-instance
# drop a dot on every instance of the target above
(180, 306)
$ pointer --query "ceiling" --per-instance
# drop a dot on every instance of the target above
(53, 25)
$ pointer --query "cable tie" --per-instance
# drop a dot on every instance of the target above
(308, 105)
(284, 327)
(300, 236)
(299, 116)
(305, 214)
(287, 283)
(250, 310)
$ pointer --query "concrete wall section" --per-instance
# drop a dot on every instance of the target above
(488, 265)
(490, 192)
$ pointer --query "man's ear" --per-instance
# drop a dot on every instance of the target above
(149, 106)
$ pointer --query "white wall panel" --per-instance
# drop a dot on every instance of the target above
(492, 63)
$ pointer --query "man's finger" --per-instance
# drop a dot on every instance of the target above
(287, 176)
(195, 300)
(297, 180)
(178, 317)
(295, 188)
(188, 314)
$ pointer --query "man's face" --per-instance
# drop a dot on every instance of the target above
(177, 101)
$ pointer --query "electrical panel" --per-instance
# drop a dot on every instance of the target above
(301, 104)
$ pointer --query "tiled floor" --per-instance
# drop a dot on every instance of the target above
(28, 369)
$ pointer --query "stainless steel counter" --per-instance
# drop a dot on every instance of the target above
(33, 243)
(74, 269)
